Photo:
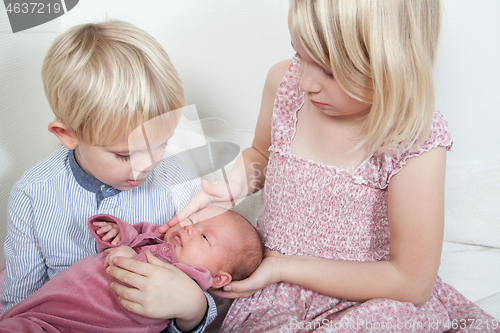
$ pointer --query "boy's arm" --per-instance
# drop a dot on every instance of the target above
(209, 317)
(26, 270)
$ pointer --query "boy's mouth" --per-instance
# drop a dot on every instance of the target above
(137, 182)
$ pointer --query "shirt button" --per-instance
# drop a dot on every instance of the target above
(102, 187)
(153, 249)
(165, 249)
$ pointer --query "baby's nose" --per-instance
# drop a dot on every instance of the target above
(190, 230)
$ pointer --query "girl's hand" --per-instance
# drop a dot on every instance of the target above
(159, 291)
(111, 229)
(218, 193)
(267, 273)
(120, 251)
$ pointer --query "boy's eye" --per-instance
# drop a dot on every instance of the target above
(205, 237)
(123, 158)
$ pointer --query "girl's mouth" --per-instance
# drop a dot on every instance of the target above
(317, 104)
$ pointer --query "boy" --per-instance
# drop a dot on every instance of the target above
(213, 252)
(101, 81)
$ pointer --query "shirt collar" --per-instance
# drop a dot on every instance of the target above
(88, 182)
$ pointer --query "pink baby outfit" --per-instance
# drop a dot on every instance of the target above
(79, 299)
(323, 211)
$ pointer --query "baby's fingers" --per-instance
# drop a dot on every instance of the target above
(117, 239)
(105, 227)
(111, 234)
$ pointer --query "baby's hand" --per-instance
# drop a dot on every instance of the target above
(111, 229)
(120, 251)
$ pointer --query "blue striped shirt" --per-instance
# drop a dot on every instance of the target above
(49, 208)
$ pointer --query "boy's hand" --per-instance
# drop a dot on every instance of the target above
(111, 229)
(159, 291)
(120, 251)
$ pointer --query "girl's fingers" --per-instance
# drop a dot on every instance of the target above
(199, 201)
(232, 294)
(218, 191)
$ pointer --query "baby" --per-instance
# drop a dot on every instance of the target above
(220, 247)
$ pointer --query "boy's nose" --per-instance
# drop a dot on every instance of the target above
(142, 163)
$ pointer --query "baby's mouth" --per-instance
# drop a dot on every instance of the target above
(176, 239)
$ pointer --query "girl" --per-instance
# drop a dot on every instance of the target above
(354, 159)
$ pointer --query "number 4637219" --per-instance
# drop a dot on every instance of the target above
(33, 8)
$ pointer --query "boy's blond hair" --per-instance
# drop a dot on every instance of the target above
(381, 52)
(102, 80)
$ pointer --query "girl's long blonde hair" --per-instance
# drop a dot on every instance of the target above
(381, 52)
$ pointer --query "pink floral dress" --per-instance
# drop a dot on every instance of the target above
(323, 211)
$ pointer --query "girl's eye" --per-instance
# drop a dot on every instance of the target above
(205, 237)
(328, 73)
(124, 158)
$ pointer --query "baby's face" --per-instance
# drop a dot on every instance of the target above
(206, 243)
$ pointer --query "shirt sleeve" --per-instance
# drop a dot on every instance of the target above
(207, 320)
(26, 269)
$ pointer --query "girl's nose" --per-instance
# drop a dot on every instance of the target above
(309, 80)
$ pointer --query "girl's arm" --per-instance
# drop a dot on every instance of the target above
(416, 220)
(248, 173)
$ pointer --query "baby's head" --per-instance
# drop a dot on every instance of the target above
(220, 240)
(104, 80)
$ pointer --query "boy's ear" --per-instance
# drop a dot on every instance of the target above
(221, 279)
(64, 134)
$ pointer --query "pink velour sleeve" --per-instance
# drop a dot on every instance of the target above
(201, 275)
(132, 235)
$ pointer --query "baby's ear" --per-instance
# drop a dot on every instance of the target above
(64, 134)
(221, 279)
